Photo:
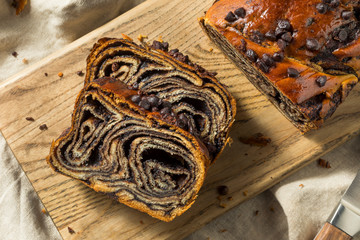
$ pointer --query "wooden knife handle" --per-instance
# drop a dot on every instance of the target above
(330, 232)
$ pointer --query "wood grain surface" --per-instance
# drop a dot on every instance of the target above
(246, 170)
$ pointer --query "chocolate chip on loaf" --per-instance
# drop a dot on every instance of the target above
(231, 17)
(240, 12)
(252, 55)
(312, 44)
(293, 73)
(321, 81)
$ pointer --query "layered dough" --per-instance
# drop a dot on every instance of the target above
(145, 128)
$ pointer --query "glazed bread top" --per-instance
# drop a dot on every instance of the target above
(312, 44)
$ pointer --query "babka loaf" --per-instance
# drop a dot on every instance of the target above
(303, 55)
(145, 128)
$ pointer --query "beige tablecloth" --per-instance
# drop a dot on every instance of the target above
(286, 211)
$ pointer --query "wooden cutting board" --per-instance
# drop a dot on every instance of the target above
(246, 170)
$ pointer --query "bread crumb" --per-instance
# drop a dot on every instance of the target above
(230, 198)
(15, 54)
(257, 139)
(30, 119)
(223, 205)
(43, 127)
(44, 211)
(80, 73)
(141, 222)
(301, 185)
(256, 212)
(71, 231)
(25, 61)
(211, 50)
(142, 37)
(126, 37)
(223, 230)
(60, 74)
(46, 74)
(323, 163)
(230, 142)
(245, 193)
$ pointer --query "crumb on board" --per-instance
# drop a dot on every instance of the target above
(230, 198)
(19, 5)
(256, 212)
(25, 61)
(142, 37)
(46, 74)
(223, 190)
(141, 222)
(257, 139)
(30, 119)
(211, 50)
(223, 230)
(230, 141)
(15, 54)
(126, 37)
(71, 231)
(43, 127)
(161, 39)
(301, 185)
(80, 73)
(323, 163)
(223, 205)
(245, 193)
(60, 74)
(272, 209)
(44, 211)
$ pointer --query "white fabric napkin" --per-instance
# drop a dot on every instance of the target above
(287, 211)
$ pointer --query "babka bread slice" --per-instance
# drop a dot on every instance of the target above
(303, 55)
(145, 128)
(203, 106)
(115, 147)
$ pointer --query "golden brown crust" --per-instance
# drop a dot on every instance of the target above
(316, 46)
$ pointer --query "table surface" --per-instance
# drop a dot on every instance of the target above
(246, 170)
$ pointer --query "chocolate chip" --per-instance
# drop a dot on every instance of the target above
(230, 17)
(80, 73)
(268, 60)
(334, 3)
(30, 119)
(286, 37)
(43, 127)
(321, 81)
(71, 231)
(144, 104)
(293, 73)
(240, 12)
(309, 22)
(115, 67)
(173, 51)
(15, 54)
(223, 190)
(258, 37)
(135, 98)
(278, 56)
(312, 44)
(270, 35)
(343, 35)
(281, 44)
(46, 74)
(153, 100)
(182, 121)
(165, 111)
(165, 46)
(243, 45)
(346, 15)
(280, 31)
(321, 8)
(252, 55)
(262, 66)
(284, 24)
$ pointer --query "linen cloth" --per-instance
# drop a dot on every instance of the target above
(286, 211)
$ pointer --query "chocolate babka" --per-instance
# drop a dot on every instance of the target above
(145, 128)
(303, 55)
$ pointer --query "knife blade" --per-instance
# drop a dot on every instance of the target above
(344, 223)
